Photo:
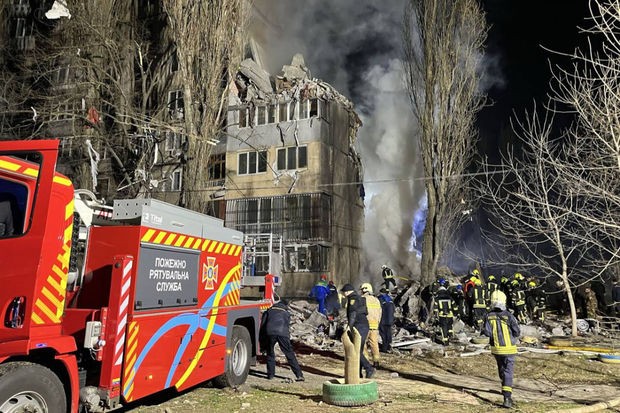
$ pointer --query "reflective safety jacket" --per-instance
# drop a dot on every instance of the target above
(518, 297)
(444, 304)
(477, 297)
(374, 311)
(503, 330)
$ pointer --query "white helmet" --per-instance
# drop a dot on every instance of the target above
(366, 288)
(384, 266)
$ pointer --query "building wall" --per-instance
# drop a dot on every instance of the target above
(331, 169)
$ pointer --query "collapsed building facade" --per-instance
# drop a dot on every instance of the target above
(292, 170)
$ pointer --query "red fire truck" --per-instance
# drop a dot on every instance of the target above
(144, 296)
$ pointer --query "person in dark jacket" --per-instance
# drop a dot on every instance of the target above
(444, 309)
(275, 325)
(332, 301)
(502, 328)
(387, 320)
(357, 318)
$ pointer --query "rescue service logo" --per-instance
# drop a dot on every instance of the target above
(209, 273)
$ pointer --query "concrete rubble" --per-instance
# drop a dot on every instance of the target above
(311, 328)
(253, 86)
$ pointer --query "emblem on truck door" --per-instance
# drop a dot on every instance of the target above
(209, 273)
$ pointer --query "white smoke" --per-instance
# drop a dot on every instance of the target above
(355, 45)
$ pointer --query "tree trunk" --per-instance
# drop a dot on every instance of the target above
(571, 304)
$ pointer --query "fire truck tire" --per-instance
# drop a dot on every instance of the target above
(29, 387)
(238, 361)
(337, 393)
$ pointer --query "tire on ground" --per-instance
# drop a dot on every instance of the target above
(31, 385)
(337, 393)
(238, 361)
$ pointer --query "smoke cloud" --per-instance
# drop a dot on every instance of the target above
(355, 45)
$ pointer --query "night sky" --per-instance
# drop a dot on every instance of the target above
(519, 29)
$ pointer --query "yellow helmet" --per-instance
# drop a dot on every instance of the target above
(366, 288)
(531, 284)
(491, 277)
(518, 276)
(476, 272)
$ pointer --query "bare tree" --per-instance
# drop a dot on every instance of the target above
(530, 208)
(208, 42)
(589, 89)
(443, 42)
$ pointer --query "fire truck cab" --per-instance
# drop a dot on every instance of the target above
(146, 297)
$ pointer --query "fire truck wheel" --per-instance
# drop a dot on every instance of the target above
(238, 361)
(29, 387)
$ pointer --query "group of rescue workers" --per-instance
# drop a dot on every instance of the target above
(493, 306)
(471, 300)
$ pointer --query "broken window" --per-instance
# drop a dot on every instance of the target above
(305, 258)
(252, 162)
(294, 157)
(283, 111)
(175, 103)
(314, 107)
(217, 167)
(173, 143)
(243, 118)
(271, 113)
(262, 115)
(176, 179)
(304, 109)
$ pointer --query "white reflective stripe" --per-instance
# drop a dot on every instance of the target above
(125, 286)
(121, 324)
(127, 268)
(119, 344)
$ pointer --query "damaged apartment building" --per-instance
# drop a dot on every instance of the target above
(292, 170)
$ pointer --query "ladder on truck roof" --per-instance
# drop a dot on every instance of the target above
(262, 255)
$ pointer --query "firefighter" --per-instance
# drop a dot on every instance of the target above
(319, 292)
(491, 286)
(536, 301)
(504, 285)
(373, 305)
(478, 305)
(458, 296)
(503, 331)
(443, 310)
(387, 320)
(517, 295)
(276, 325)
(471, 282)
(357, 317)
(388, 277)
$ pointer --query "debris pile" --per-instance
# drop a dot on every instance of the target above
(313, 329)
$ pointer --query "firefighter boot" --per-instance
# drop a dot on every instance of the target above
(507, 402)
